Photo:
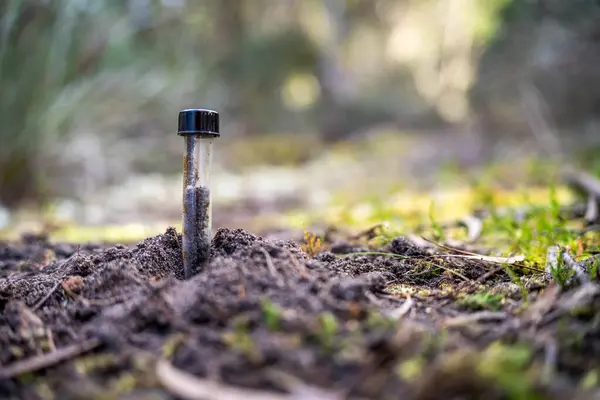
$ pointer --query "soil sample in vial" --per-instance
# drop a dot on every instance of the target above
(190, 248)
(203, 225)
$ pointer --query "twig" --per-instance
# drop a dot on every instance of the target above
(401, 311)
(591, 211)
(461, 276)
(582, 181)
(46, 297)
(485, 276)
(490, 259)
(302, 391)
(46, 360)
(579, 270)
(270, 265)
(189, 387)
(372, 298)
(475, 317)
(475, 256)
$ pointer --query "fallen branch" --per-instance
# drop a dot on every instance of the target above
(46, 360)
(190, 387)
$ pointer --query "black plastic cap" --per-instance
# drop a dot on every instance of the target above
(198, 122)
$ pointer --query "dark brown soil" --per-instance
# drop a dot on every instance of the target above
(265, 311)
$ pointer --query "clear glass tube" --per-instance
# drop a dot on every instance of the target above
(199, 127)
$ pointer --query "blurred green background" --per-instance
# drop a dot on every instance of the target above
(317, 98)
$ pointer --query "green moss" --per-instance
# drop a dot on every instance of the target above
(88, 364)
(171, 344)
(328, 330)
(509, 368)
(241, 339)
(411, 369)
(378, 321)
(125, 383)
(481, 301)
(26, 378)
(591, 380)
(271, 314)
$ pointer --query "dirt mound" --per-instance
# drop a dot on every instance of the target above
(90, 322)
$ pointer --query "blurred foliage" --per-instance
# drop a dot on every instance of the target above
(42, 50)
(490, 19)
(272, 150)
(552, 49)
(89, 89)
(55, 59)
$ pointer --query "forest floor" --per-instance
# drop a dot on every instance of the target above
(501, 303)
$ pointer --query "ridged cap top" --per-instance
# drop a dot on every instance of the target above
(197, 121)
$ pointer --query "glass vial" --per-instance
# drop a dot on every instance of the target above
(199, 128)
